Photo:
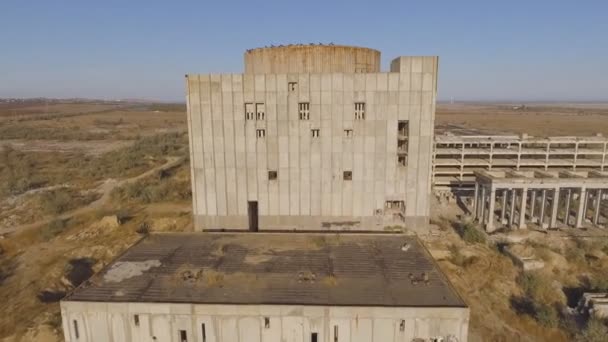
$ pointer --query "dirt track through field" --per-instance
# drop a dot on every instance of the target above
(105, 190)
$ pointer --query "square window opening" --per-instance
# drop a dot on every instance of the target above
(136, 320)
(347, 175)
(348, 133)
(272, 175)
(261, 133)
(292, 86)
(315, 132)
(402, 160)
(183, 336)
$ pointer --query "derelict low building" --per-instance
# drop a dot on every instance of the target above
(259, 287)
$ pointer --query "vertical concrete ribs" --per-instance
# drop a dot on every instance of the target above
(560, 192)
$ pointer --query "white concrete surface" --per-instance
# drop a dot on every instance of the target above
(230, 163)
(160, 322)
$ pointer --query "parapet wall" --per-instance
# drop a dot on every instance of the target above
(312, 59)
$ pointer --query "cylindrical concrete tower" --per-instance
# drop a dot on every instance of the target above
(312, 59)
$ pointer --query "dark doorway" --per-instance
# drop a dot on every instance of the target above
(252, 210)
(314, 337)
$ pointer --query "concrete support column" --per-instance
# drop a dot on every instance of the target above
(474, 212)
(522, 208)
(512, 208)
(503, 207)
(554, 207)
(543, 204)
(586, 207)
(568, 200)
(533, 206)
(482, 214)
(490, 224)
(598, 206)
(580, 214)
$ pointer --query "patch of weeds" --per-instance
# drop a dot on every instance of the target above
(595, 331)
(539, 299)
(55, 320)
(153, 190)
(53, 229)
(541, 250)
(599, 282)
(7, 269)
(144, 228)
(469, 232)
(61, 200)
(459, 259)
(546, 315)
(575, 255)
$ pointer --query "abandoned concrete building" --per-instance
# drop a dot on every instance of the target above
(547, 199)
(313, 137)
(456, 158)
(258, 287)
(310, 138)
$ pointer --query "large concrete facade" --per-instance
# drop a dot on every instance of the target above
(313, 150)
(95, 321)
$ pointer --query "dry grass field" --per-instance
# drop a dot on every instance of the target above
(81, 182)
(535, 119)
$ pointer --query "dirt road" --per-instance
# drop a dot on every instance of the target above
(105, 190)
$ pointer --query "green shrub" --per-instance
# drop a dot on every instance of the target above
(469, 232)
(546, 315)
(55, 202)
(61, 200)
(595, 331)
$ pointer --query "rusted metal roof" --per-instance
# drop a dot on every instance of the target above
(274, 268)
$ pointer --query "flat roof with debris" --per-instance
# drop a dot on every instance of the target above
(343, 269)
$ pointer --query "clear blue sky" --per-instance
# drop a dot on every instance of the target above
(489, 50)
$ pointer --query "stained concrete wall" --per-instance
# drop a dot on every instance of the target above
(246, 323)
(311, 59)
(230, 163)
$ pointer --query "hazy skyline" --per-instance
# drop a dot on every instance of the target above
(516, 50)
